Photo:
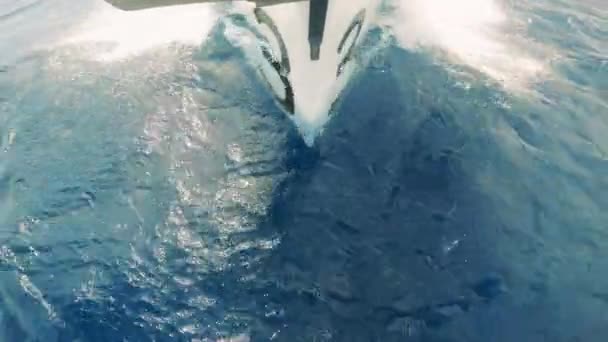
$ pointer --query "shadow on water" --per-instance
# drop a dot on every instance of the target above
(382, 235)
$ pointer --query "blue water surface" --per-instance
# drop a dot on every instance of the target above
(165, 197)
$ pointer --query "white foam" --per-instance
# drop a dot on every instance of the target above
(132, 33)
(476, 33)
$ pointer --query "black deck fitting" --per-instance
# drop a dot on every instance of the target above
(316, 27)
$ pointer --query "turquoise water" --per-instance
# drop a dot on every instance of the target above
(151, 190)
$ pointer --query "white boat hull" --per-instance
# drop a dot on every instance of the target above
(307, 70)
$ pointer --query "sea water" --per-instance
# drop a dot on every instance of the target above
(152, 190)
